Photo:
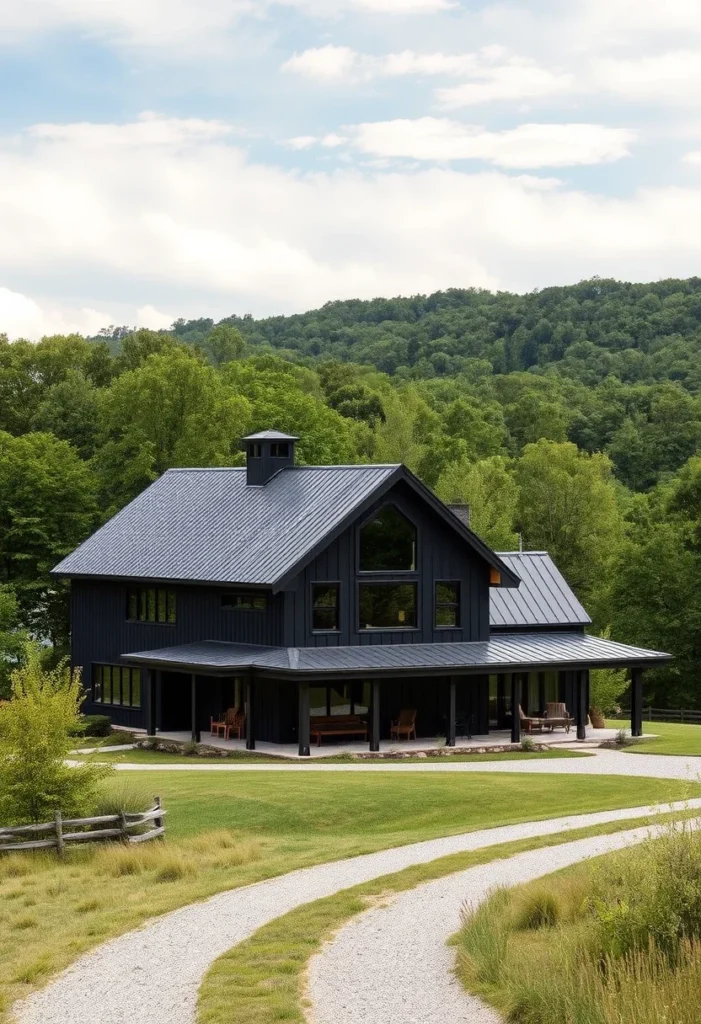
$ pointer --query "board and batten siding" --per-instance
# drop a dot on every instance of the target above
(440, 556)
(101, 632)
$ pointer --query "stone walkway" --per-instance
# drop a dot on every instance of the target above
(383, 968)
(152, 975)
(601, 762)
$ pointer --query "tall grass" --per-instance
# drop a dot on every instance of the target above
(617, 941)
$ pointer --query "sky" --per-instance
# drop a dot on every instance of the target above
(168, 158)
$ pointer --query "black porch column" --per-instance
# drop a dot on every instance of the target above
(541, 692)
(451, 712)
(580, 699)
(515, 703)
(153, 682)
(193, 709)
(250, 723)
(303, 731)
(636, 702)
(375, 717)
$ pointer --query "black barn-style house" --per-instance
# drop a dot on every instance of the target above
(294, 592)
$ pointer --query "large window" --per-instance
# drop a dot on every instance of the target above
(116, 685)
(388, 543)
(447, 605)
(244, 601)
(151, 604)
(387, 606)
(325, 606)
(342, 699)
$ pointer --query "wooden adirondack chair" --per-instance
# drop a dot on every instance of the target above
(233, 723)
(529, 723)
(404, 726)
(556, 717)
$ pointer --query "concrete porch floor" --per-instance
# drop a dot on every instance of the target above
(498, 738)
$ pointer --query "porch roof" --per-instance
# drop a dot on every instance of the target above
(503, 653)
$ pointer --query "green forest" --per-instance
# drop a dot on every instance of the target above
(568, 418)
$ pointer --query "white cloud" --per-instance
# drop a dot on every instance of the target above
(673, 77)
(302, 142)
(693, 158)
(620, 21)
(23, 317)
(148, 130)
(154, 319)
(517, 79)
(527, 146)
(200, 225)
(323, 62)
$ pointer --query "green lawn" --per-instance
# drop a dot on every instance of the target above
(669, 738)
(155, 757)
(227, 829)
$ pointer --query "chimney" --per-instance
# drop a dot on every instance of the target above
(462, 512)
(266, 454)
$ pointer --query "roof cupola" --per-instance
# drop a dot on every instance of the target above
(266, 454)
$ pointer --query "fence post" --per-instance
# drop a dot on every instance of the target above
(125, 830)
(158, 822)
(59, 833)
(649, 714)
(682, 714)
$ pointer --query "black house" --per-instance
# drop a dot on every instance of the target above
(298, 592)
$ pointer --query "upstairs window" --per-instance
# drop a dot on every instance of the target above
(244, 601)
(388, 543)
(325, 607)
(447, 605)
(387, 606)
(280, 450)
(255, 451)
(151, 604)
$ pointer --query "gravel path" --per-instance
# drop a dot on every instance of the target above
(382, 968)
(602, 762)
(152, 975)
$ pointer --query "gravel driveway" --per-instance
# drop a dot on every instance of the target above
(391, 965)
(152, 975)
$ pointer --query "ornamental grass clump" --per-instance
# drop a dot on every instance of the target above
(36, 737)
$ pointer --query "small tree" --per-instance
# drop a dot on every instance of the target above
(607, 686)
(35, 739)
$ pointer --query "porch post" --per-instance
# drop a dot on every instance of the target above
(541, 692)
(303, 730)
(193, 709)
(515, 702)
(451, 711)
(250, 731)
(636, 702)
(580, 700)
(375, 717)
(154, 679)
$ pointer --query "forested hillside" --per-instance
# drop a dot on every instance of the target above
(570, 416)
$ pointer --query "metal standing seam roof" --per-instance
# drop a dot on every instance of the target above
(208, 525)
(544, 597)
(501, 653)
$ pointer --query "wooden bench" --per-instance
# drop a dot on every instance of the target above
(556, 717)
(337, 725)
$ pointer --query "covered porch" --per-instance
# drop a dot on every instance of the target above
(454, 690)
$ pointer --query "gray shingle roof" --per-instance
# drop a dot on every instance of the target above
(544, 597)
(501, 653)
(207, 525)
(271, 435)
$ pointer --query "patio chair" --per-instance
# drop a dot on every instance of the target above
(529, 723)
(404, 726)
(233, 723)
(556, 717)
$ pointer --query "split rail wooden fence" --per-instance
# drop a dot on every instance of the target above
(62, 832)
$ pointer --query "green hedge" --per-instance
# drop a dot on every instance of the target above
(93, 725)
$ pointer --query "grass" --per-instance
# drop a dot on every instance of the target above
(227, 829)
(668, 738)
(243, 757)
(610, 941)
(261, 981)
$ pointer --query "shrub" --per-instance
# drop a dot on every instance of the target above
(118, 739)
(527, 745)
(124, 797)
(92, 725)
(537, 909)
(35, 733)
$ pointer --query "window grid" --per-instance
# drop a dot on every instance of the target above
(447, 604)
(151, 604)
(325, 607)
(117, 686)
